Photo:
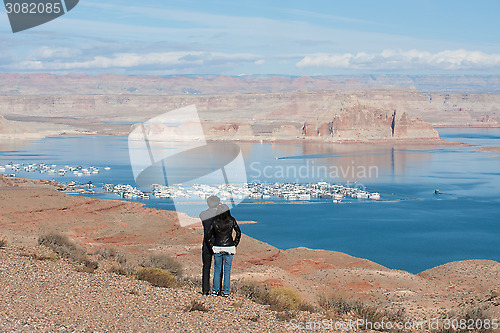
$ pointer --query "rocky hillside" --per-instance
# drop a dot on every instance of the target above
(30, 208)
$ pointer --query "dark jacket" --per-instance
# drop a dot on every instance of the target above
(207, 218)
(222, 231)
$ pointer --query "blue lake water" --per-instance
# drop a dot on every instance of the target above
(419, 232)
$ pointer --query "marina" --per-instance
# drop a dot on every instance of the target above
(254, 191)
(51, 169)
(272, 191)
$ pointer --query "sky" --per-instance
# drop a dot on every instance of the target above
(302, 38)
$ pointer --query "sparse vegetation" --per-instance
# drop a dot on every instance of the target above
(164, 262)
(196, 306)
(190, 281)
(3, 242)
(157, 277)
(117, 269)
(286, 301)
(65, 248)
(40, 253)
(253, 291)
(339, 305)
(254, 318)
(286, 315)
(311, 308)
(61, 245)
(284, 298)
(336, 303)
(111, 253)
(465, 320)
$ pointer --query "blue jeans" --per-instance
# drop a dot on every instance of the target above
(219, 258)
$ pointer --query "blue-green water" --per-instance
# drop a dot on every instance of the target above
(461, 223)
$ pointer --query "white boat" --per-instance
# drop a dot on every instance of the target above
(304, 197)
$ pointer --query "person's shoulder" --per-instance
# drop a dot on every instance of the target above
(204, 215)
(207, 214)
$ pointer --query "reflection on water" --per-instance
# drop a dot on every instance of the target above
(14, 146)
(337, 162)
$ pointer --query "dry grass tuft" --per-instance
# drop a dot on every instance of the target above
(3, 242)
(339, 305)
(157, 277)
(284, 298)
(279, 298)
(164, 262)
(65, 248)
(111, 253)
(117, 269)
(254, 318)
(40, 252)
(286, 315)
(196, 306)
(61, 245)
(308, 307)
(468, 319)
(253, 291)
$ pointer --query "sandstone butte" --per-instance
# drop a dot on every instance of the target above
(29, 208)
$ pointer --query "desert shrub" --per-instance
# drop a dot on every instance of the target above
(65, 248)
(191, 281)
(284, 298)
(196, 306)
(40, 253)
(253, 291)
(337, 304)
(90, 264)
(286, 315)
(279, 298)
(61, 245)
(164, 262)
(3, 242)
(117, 269)
(111, 253)
(469, 315)
(311, 308)
(373, 314)
(157, 277)
(255, 318)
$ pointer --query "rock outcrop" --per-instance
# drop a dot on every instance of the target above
(363, 123)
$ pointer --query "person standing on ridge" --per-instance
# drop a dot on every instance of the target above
(207, 218)
(224, 247)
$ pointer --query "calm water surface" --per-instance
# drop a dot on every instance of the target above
(422, 231)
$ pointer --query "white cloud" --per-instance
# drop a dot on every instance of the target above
(405, 60)
(133, 60)
(46, 52)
